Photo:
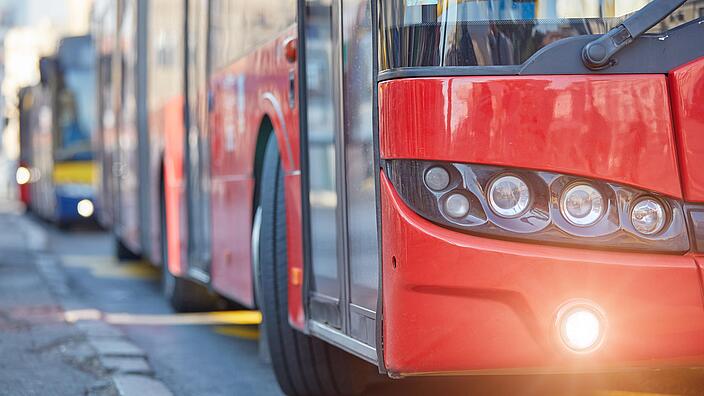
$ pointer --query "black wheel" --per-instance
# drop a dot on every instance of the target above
(63, 225)
(122, 252)
(303, 365)
(184, 295)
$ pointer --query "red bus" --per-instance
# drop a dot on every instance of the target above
(431, 186)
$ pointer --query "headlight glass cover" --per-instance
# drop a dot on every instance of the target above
(603, 209)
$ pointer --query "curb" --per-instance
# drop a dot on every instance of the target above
(125, 364)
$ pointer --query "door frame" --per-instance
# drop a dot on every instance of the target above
(312, 303)
(198, 268)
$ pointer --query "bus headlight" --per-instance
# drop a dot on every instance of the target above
(538, 206)
(648, 216)
(85, 208)
(23, 175)
(508, 196)
(582, 205)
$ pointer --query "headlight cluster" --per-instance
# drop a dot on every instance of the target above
(540, 206)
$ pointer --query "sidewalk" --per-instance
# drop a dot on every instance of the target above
(40, 352)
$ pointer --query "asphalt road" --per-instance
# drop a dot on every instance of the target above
(207, 354)
(191, 359)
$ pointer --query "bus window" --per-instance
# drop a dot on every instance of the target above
(75, 99)
(496, 32)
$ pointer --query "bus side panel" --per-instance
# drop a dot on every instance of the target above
(175, 186)
(255, 87)
(296, 314)
(616, 128)
(687, 91)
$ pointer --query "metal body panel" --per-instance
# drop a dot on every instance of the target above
(243, 94)
(458, 303)
(569, 124)
(174, 131)
(687, 92)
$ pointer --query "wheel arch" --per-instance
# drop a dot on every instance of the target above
(264, 132)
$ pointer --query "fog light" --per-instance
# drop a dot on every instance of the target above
(457, 206)
(85, 208)
(23, 176)
(437, 178)
(581, 328)
(582, 205)
(508, 196)
(648, 216)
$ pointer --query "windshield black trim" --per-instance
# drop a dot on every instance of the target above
(649, 54)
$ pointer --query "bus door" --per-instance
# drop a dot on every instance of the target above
(197, 158)
(340, 209)
(128, 219)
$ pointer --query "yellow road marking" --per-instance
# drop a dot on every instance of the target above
(109, 267)
(201, 318)
(247, 333)
(627, 393)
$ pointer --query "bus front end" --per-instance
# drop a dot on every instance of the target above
(74, 167)
(73, 186)
(541, 211)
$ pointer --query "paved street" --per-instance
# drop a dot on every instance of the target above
(74, 321)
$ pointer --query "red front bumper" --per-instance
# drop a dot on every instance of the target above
(460, 303)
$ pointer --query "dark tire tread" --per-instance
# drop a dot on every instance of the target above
(122, 252)
(304, 365)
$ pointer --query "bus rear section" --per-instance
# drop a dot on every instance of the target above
(540, 213)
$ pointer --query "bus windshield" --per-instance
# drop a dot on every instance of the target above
(497, 32)
(75, 99)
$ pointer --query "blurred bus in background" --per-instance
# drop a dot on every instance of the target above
(56, 171)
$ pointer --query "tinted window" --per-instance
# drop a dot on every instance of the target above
(496, 32)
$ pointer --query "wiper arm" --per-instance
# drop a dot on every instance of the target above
(599, 53)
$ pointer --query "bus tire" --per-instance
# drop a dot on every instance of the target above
(182, 294)
(122, 252)
(304, 365)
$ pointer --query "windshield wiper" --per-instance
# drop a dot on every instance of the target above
(599, 53)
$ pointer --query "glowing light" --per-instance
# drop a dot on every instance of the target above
(23, 175)
(85, 208)
(581, 329)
